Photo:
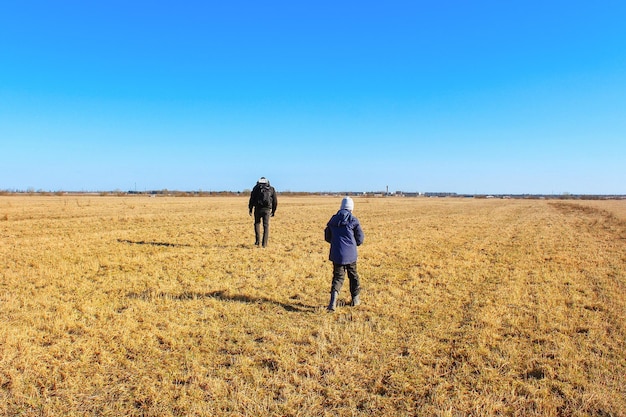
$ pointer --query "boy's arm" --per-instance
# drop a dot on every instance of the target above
(359, 236)
(328, 234)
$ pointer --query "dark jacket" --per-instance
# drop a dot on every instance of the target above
(344, 234)
(254, 198)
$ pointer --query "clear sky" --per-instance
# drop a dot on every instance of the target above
(449, 96)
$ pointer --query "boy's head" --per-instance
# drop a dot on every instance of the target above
(347, 204)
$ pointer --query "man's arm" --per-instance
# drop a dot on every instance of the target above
(274, 200)
(252, 199)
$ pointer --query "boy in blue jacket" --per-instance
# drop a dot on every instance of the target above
(344, 234)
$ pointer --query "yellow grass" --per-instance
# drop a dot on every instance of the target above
(144, 306)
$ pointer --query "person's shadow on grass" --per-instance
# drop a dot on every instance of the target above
(223, 295)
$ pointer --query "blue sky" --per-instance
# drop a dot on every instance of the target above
(456, 96)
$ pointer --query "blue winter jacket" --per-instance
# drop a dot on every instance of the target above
(344, 234)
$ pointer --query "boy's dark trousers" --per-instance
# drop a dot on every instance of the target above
(339, 272)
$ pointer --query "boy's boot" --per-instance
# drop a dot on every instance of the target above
(355, 300)
(333, 301)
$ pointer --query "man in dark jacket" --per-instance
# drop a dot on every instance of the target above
(264, 201)
(344, 234)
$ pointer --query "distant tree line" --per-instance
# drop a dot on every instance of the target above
(246, 192)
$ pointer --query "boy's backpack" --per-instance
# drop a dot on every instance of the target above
(265, 196)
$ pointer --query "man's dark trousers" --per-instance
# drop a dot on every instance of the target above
(262, 214)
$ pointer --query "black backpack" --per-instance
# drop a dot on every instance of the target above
(265, 196)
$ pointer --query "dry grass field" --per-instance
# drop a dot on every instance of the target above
(141, 306)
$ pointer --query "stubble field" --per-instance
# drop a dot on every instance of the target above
(162, 306)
